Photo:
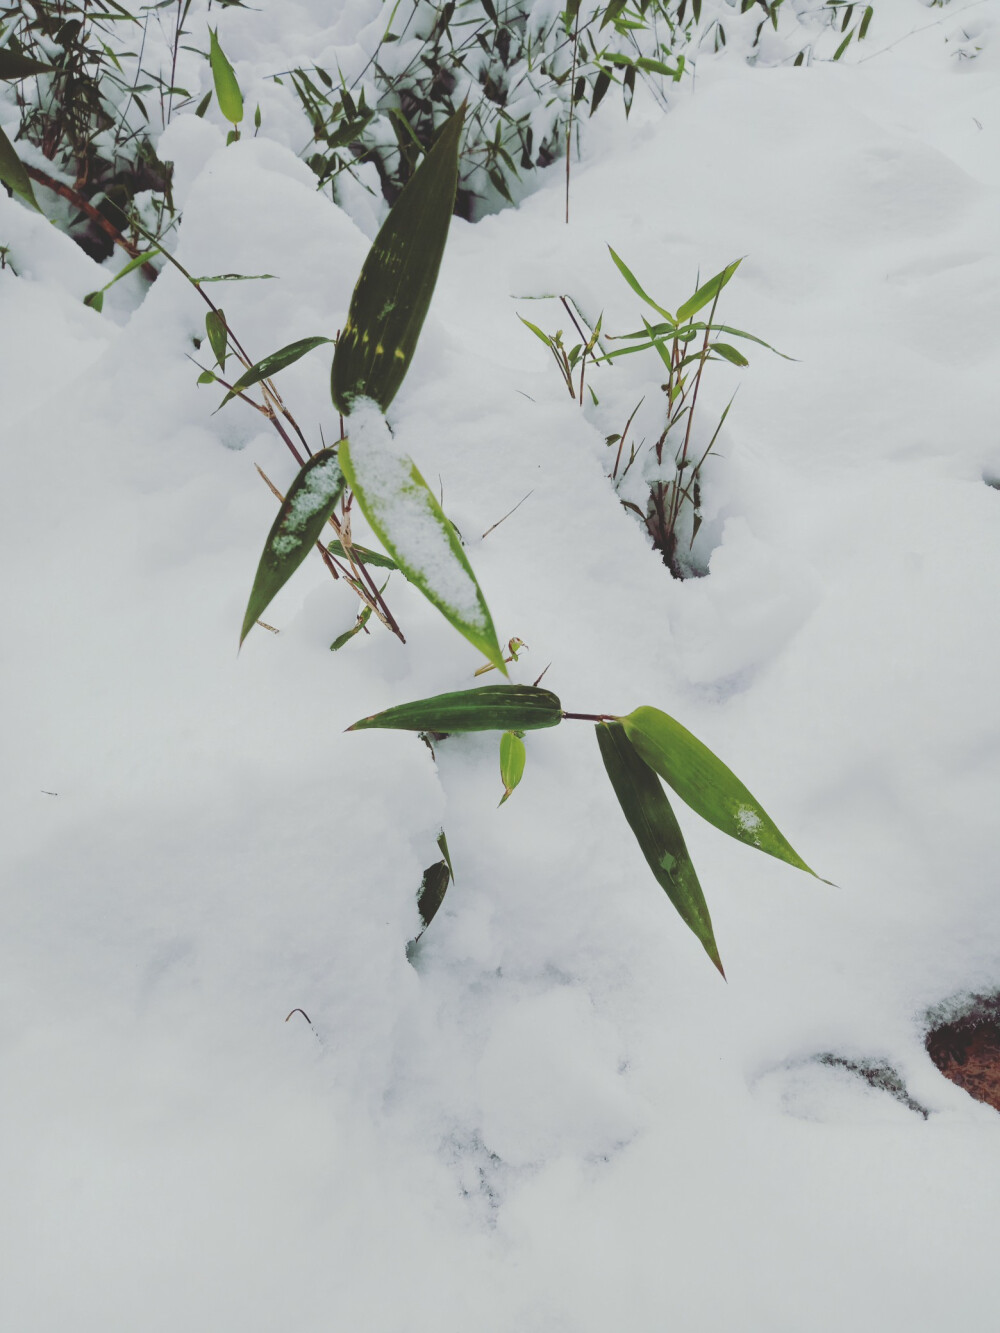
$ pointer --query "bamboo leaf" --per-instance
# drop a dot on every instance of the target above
(657, 832)
(413, 528)
(433, 887)
(362, 620)
(706, 293)
(397, 281)
(729, 353)
(13, 174)
(705, 783)
(16, 65)
(215, 327)
(362, 555)
(488, 708)
(227, 90)
(633, 282)
(310, 501)
(270, 365)
(512, 757)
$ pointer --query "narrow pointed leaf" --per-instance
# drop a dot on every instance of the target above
(310, 501)
(488, 708)
(270, 365)
(362, 555)
(729, 353)
(16, 65)
(397, 280)
(413, 528)
(705, 783)
(512, 757)
(356, 628)
(227, 90)
(645, 806)
(13, 174)
(706, 293)
(215, 327)
(633, 282)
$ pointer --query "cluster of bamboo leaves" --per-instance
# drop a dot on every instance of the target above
(505, 64)
(685, 344)
(373, 354)
(640, 751)
(84, 113)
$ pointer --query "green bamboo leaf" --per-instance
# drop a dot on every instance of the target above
(657, 67)
(612, 12)
(706, 293)
(356, 628)
(16, 65)
(704, 783)
(543, 337)
(488, 708)
(633, 282)
(215, 327)
(729, 353)
(13, 174)
(397, 280)
(227, 90)
(310, 501)
(843, 45)
(416, 533)
(270, 365)
(865, 20)
(512, 757)
(645, 806)
(362, 555)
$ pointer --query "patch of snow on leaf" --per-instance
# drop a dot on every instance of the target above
(402, 506)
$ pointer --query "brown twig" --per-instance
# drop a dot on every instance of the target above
(85, 206)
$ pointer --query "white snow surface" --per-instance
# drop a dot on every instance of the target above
(556, 1117)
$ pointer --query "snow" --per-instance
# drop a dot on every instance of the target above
(557, 1118)
(403, 508)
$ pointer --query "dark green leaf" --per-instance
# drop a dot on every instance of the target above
(601, 85)
(16, 65)
(488, 708)
(657, 832)
(704, 782)
(310, 501)
(866, 18)
(397, 280)
(433, 887)
(215, 327)
(270, 365)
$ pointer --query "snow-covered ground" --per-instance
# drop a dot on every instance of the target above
(556, 1117)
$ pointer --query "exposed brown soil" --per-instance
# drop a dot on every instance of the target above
(968, 1052)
